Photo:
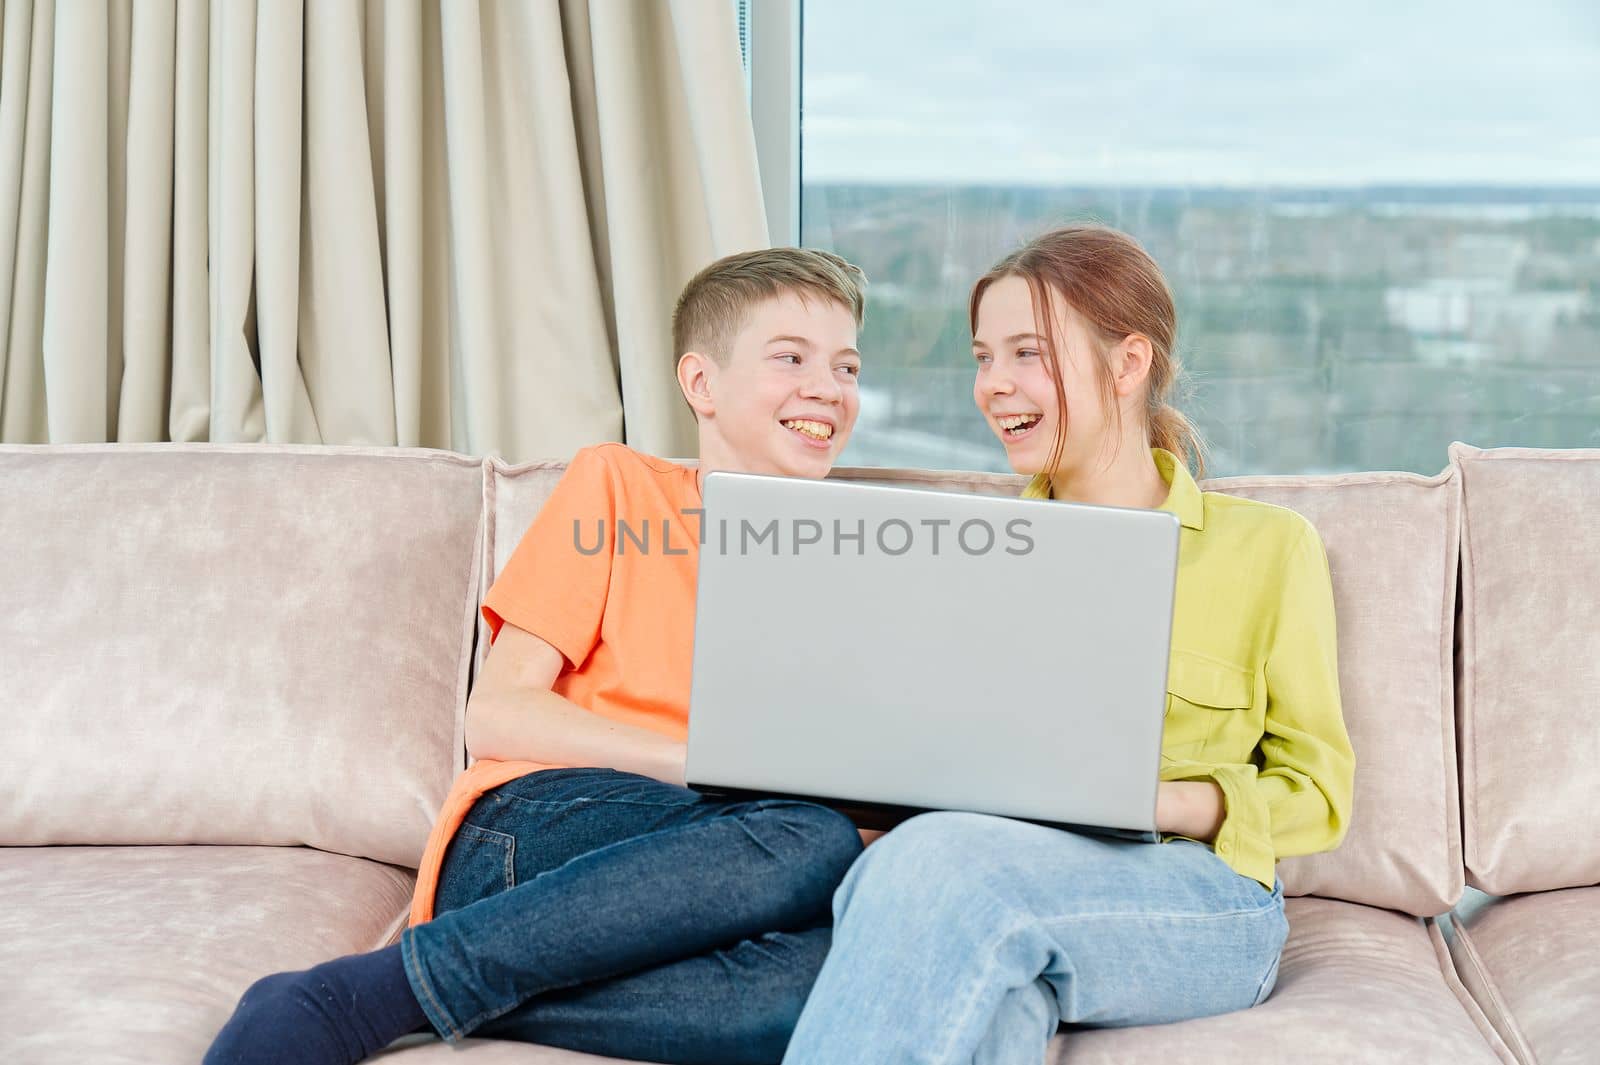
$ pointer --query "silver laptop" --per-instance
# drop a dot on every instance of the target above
(911, 649)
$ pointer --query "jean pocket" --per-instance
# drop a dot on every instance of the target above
(480, 862)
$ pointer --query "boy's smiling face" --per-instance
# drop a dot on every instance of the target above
(786, 399)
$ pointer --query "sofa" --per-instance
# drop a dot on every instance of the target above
(1529, 712)
(232, 685)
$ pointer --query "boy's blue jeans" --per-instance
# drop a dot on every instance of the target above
(963, 938)
(614, 914)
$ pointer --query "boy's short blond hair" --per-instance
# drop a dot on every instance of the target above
(717, 300)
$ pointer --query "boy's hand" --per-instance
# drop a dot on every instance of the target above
(674, 765)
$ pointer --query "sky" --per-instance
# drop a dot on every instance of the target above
(1234, 92)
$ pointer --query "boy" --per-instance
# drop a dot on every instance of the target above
(573, 892)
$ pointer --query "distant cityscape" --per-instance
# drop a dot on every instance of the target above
(1321, 329)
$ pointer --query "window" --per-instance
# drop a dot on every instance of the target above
(1381, 222)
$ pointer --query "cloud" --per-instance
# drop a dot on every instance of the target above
(1169, 92)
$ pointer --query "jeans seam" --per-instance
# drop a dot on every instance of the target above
(488, 1015)
(1068, 918)
(978, 985)
(592, 799)
(494, 1013)
(419, 978)
(1272, 969)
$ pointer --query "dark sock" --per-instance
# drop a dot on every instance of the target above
(334, 1014)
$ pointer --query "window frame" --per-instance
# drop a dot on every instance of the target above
(776, 109)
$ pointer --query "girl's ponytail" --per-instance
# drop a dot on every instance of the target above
(1172, 431)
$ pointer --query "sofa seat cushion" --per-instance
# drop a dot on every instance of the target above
(1531, 963)
(1356, 984)
(139, 954)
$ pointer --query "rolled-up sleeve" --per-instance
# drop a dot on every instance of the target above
(1307, 777)
(1295, 797)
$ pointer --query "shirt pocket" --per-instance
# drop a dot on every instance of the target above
(1201, 692)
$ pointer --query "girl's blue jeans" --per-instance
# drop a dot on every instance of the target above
(964, 938)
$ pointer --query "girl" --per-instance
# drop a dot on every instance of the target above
(967, 938)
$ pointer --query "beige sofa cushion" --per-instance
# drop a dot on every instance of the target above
(1531, 963)
(133, 955)
(1355, 985)
(514, 494)
(1391, 540)
(205, 644)
(1530, 667)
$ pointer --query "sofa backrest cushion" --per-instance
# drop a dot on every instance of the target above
(234, 645)
(515, 493)
(1530, 667)
(1391, 540)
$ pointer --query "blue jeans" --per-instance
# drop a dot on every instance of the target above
(964, 938)
(614, 914)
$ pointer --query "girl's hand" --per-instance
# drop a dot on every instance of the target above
(1192, 808)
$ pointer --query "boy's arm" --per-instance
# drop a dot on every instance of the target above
(513, 715)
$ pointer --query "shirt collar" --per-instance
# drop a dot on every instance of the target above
(1183, 495)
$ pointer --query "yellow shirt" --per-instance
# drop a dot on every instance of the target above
(1253, 680)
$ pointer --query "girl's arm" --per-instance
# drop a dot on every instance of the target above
(1192, 808)
(1306, 782)
(1295, 796)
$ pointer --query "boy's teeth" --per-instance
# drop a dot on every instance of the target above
(816, 430)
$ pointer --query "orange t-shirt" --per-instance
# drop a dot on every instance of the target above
(605, 575)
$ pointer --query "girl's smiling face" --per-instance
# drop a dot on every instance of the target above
(1018, 374)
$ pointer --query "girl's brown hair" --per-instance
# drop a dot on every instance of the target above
(1117, 288)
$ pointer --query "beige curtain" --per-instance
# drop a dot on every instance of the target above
(458, 224)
